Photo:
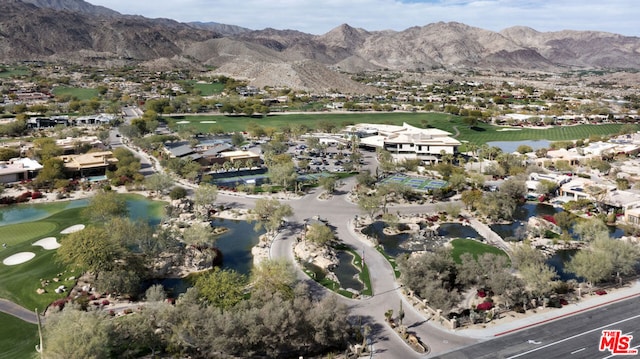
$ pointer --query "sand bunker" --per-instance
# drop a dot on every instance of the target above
(509, 129)
(48, 243)
(72, 229)
(18, 258)
(208, 121)
(182, 122)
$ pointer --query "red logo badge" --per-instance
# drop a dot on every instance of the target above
(617, 343)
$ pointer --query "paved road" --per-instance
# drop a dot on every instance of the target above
(576, 337)
(17, 311)
(339, 212)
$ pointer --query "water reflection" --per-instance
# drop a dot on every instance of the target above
(21, 213)
(512, 146)
(347, 273)
(457, 230)
(515, 229)
(559, 260)
(139, 209)
(236, 244)
(521, 216)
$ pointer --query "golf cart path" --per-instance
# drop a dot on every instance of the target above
(13, 309)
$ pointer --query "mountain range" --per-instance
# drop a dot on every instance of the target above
(76, 31)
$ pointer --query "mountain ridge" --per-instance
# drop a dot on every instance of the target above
(74, 31)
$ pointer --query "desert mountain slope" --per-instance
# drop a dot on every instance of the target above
(74, 6)
(76, 31)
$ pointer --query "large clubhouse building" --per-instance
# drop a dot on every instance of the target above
(406, 141)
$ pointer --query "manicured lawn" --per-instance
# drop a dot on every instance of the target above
(391, 260)
(364, 273)
(239, 123)
(17, 338)
(480, 134)
(14, 72)
(461, 246)
(208, 89)
(77, 92)
(19, 282)
(486, 133)
(18, 233)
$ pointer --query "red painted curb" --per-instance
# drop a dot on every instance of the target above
(565, 315)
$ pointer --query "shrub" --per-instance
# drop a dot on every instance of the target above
(36, 195)
(178, 193)
(7, 200)
(60, 303)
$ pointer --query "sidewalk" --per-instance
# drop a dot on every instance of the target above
(588, 302)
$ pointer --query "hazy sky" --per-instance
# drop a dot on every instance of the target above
(319, 17)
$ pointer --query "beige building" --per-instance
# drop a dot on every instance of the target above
(406, 141)
(89, 164)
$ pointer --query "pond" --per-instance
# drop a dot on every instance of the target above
(347, 273)
(457, 230)
(139, 207)
(558, 261)
(425, 240)
(520, 217)
(235, 245)
(511, 146)
(21, 213)
(511, 231)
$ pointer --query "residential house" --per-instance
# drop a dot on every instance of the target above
(18, 169)
(89, 164)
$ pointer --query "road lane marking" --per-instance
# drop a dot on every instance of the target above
(578, 351)
(613, 355)
(573, 337)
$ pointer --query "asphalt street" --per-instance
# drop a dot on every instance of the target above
(575, 337)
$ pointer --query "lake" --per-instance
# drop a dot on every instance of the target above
(511, 146)
(139, 207)
(236, 244)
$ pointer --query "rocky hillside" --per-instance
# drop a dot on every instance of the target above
(28, 32)
(74, 6)
(222, 29)
(73, 30)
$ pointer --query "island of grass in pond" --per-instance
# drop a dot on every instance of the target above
(350, 276)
